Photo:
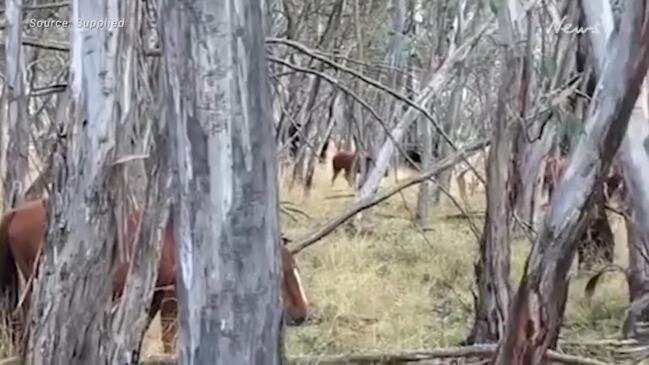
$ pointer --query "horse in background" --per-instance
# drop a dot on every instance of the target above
(465, 176)
(349, 163)
(597, 241)
(344, 161)
(554, 168)
(22, 231)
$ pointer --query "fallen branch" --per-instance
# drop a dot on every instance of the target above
(463, 216)
(406, 357)
(330, 226)
(597, 343)
(475, 351)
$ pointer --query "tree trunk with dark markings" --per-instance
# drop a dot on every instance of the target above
(73, 277)
(492, 269)
(537, 309)
(15, 147)
(635, 159)
(225, 181)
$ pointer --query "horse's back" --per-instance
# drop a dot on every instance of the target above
(166, 264)
(342, 160)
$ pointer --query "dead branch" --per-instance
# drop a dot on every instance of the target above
(352, 94)
(48, 90)
(330, 226)
(463, 216)
(614, 343)
(461, 52)
(290, 209)
(339, 196)
(50, 45)
(479, 351)
(476, 351)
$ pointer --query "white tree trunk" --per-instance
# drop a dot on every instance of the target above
(224, 172)
(492, 269)
(15, 147)
(73, 279)
(635, 161)
(538, 307)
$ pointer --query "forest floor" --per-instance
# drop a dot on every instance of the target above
(399, 288)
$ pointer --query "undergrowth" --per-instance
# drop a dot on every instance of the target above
(397, 287)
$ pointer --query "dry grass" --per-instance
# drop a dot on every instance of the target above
(7, 349)
(393, 289)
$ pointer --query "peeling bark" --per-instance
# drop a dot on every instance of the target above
(492, 269)
(73, 277)
(538, 307)
(635, 159)
(14, 159)
(131, 319)
(225, 179)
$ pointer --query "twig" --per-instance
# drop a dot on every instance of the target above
(292, 209)
(48, 90)
(30, 281)
(418, 227)
(129, 158)
(288, 214)
(606, 342)
(339, 196)
(474, 229)
(50, 45)
(616, 211)
(353, 95)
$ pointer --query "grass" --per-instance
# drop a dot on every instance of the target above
(393, 289)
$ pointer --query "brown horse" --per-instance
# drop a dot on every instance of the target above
(555, 167)
(344, 160)
(348, 161)
(21, 233)
(596, 243)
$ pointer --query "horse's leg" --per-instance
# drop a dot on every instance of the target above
(473, 185)
(20, 319)
(550, 190)
(335, 175)
(169, 318)
(348, 176)
(461, 185)
(27, 305)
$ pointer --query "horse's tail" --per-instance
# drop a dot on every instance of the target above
(8, 270)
